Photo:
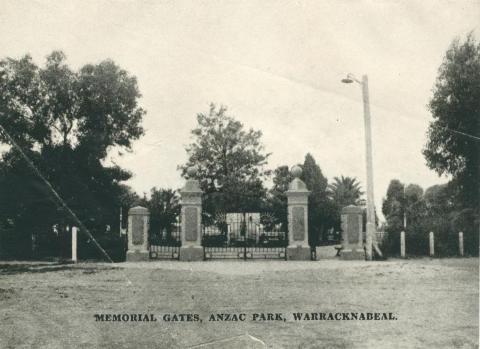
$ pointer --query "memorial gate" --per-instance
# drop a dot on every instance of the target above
(245, 235)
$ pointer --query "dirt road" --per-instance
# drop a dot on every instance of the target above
(435, 303)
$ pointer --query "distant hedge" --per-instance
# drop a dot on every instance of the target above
(16, 245)
(417, 243)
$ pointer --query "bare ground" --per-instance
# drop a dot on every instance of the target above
(44, 305)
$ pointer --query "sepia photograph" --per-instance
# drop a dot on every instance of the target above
(239, 174)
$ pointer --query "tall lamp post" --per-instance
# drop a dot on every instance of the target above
(368, 150)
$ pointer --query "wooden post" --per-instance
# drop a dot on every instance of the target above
(402, 244)
(432, 244)
(460, 243)
(74, 244)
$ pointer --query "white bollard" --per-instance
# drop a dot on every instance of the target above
(74, 244)
(432, 244)
(402, 244)
(460, 243)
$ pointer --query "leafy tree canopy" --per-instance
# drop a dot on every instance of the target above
(96, 107)
(230, 162)
(403, 202)
(453, 145)
(434, 210)
(66, 121)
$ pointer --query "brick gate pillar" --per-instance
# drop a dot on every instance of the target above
(352, 233)
(138, 226)
(297, 195)
(191, 218)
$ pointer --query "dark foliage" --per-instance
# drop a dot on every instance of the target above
(453, 145)
(66, 122)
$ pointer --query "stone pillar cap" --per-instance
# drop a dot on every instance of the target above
(138, 210)
(352, 209)
(297, 185)
(191, 186)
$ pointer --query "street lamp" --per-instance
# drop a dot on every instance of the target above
(351, 78)
(368, 150)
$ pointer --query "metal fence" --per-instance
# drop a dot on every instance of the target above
(244, 236)
(166, 244)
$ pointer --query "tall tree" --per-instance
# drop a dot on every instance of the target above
(453, 145)
(277, 199)
(403, 205)
(321, 211)
(66, 122)
(439, 199)
(313, 177)
(435, 210)
(394, 205)
(230, 162)
(414, 205)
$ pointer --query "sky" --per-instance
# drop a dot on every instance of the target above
(276, 65)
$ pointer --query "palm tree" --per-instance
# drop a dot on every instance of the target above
(345, 191)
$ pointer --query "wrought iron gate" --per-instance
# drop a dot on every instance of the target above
(244, 236)
(166, 245)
